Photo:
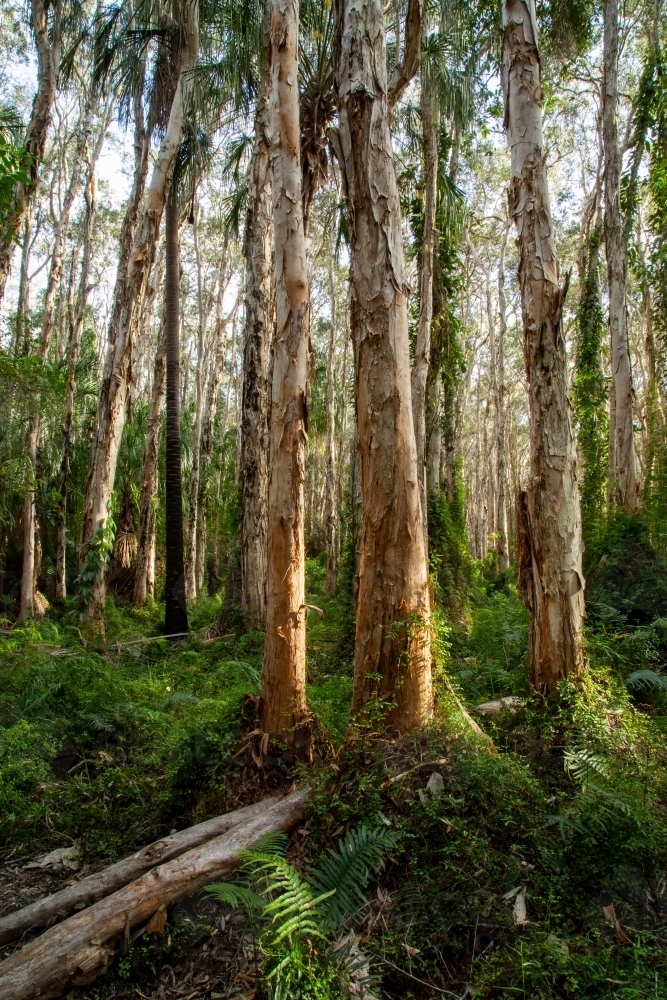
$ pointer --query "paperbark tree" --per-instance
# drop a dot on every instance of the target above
(145, 577)
(176, 615)
(330, 511)
(256, 400)
(622, 449)
(208, 426)
(137, 253)
(501, 471)
(284, 671)
(392, 663)
(46, 19)
(430, 116)
(74, 343)
(550, 539)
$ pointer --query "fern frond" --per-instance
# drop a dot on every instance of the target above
(235, 895)
(291, 910)
(349, 869)
(272, 843)
(583, 762)
(646, 680)
(180, 698)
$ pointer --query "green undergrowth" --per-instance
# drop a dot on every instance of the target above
(110, 745)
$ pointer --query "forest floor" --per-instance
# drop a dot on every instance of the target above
(504, 876)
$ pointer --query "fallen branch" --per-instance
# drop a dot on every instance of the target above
(477, 730)
(418, 767)
(75, 952)
(44, 912)
(149, 638)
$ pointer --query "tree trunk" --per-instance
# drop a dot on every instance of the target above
(624, 481)
(138, 244)
(284, 671)
(208, 428)
(47, 39)
(392, 663)
(256, 401)
(76, 329)
(430, 116)
(550, 541)
(22, 334)
(200, 387)
(501, 472)
(149, 477)
(330, 510)
(176, 615)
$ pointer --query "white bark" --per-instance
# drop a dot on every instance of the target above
(550, 541)
(392, 630)
(622, 449)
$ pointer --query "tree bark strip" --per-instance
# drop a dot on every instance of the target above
(73, 953)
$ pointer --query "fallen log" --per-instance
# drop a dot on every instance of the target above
(44, 912)
(77, 950)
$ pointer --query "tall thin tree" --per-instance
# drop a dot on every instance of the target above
(392, 661)
(284, 670)
(550, 540)
(176, 615)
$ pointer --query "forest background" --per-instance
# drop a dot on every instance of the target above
(104, 303)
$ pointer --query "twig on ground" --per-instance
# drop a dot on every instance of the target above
(427, 763)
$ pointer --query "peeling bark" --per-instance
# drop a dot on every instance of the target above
(284, 671)
(392, 666)
(549, 541)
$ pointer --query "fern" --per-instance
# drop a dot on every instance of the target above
(236, 895)
(581, 763)
(292, 909)
(349, 869)
(180, 698)
(646, 680)
(293, 912)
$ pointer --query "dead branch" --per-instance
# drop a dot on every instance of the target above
(75, 952)
(44, 912)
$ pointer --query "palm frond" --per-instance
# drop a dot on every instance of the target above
(646, 680)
